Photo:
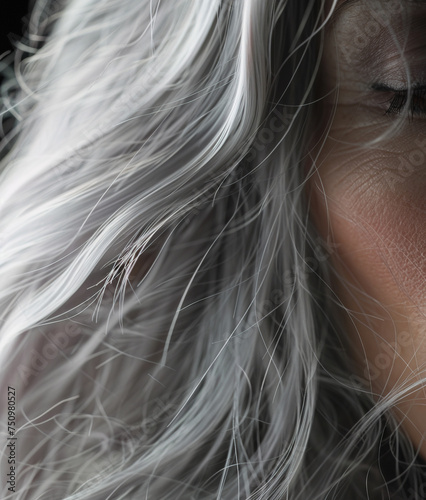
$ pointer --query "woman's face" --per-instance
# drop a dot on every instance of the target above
(368, 192)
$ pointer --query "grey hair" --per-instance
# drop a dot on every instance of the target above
(168, 325)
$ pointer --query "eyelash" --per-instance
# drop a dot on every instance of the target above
(416, 96)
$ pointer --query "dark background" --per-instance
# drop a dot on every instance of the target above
(12, 27)
(12, 14)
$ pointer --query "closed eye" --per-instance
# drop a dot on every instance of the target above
(411, 100)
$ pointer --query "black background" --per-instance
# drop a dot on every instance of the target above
(12, 14)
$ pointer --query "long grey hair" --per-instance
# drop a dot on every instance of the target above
(168, 327)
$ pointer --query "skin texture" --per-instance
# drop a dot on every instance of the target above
(368, 196)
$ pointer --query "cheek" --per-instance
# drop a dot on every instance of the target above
(375, 213)
(378, 232)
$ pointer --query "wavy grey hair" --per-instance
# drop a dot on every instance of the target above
(168, 327)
